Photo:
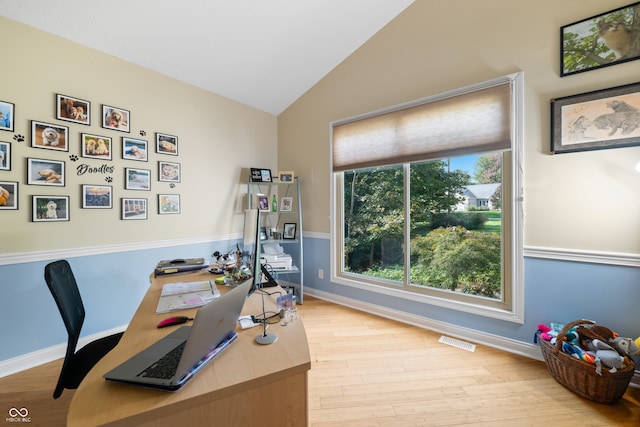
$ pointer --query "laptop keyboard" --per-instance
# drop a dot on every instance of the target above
(165, 367)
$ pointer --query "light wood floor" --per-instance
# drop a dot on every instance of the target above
(369, 371)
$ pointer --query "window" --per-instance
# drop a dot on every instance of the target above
(427, 203)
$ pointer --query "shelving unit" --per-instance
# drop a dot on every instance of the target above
(274, 220)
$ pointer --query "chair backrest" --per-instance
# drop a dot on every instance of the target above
(64, 289)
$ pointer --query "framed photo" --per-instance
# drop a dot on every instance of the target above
(608, 118)
(599, 41)
(263, 202)
(260, 175)
(49, 136)
(45, 172)
(50, 208)
(285, 204)
(5, 156)
(134, 208)
(73, 109)
(7, 115)
(96, 147)
(134, 149)
(286, 176)
(8, 195)
(289, 231)
(169, 172)
(137, 179)
(97, 196)
(116, 118)
(168, 204)
(166, 144)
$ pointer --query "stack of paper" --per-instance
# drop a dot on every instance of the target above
(179, 296)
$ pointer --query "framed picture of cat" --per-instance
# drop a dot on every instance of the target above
(607, 118)
(602, 40)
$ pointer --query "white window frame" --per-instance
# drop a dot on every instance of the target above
(514, 310)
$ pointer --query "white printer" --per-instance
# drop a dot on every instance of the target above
(273, 257)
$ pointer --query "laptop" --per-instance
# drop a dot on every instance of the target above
(188, 349)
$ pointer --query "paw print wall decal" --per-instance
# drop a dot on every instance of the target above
(172, 185)
(143, 133)
(73, 158)
(109, 179)
(18, 138)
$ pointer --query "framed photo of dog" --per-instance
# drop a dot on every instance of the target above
(96, 146)
(137, 179)
(607, 118)
(7, 115)
(45, 172)
(73, 110)
(134, 149)
(599, 41)
(50, 208)
(168, 204)
(97, 196)
(116, 118)
(8, 195)
(134, 208)
(49, 136)
(166, 144)
(5, 156)
(169, 172)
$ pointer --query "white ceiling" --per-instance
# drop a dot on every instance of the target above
(263, 53)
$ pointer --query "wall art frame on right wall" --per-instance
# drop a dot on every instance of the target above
(602, 40)
(607, 118)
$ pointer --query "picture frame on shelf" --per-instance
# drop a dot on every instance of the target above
(601, 119)
(7, 115)
(9, 196)
(263, 202)
(166, 144)
(168, 204)
(96, 146)
(116, 118)
(134, 208)
(286, 176)
(168, 172)
(72, 109)
(289, 231)
(97, 196)
(50, 208)
(598, 41)
(49, 136)
(135, 149)
(5, 156)
(137, 179)
(285, 204)
(46, 172)
(260, 175)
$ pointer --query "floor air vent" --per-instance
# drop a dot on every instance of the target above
(457, 343)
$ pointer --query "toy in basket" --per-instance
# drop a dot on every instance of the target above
(579, 373)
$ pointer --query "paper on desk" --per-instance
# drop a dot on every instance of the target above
(182, 295)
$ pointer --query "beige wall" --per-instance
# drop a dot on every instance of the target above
(584, 201)
(218, 141)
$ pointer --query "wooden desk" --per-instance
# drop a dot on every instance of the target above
(246, 385)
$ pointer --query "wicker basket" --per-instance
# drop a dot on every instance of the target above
(580, 377)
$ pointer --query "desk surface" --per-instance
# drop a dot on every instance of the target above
(235, 382)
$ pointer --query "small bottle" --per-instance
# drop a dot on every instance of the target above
(274, 204)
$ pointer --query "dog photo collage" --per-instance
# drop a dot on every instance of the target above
(93, 146)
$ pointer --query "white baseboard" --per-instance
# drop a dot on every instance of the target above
(46, 355)
(531, 351)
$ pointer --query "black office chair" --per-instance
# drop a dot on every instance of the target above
(64, 289)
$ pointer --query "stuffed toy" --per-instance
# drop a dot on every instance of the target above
(604, 355)
(577, 352)
(626, 346)
(637, 341)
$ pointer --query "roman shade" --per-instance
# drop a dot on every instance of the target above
(466, 122)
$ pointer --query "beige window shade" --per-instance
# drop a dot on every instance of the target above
(466, 123)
